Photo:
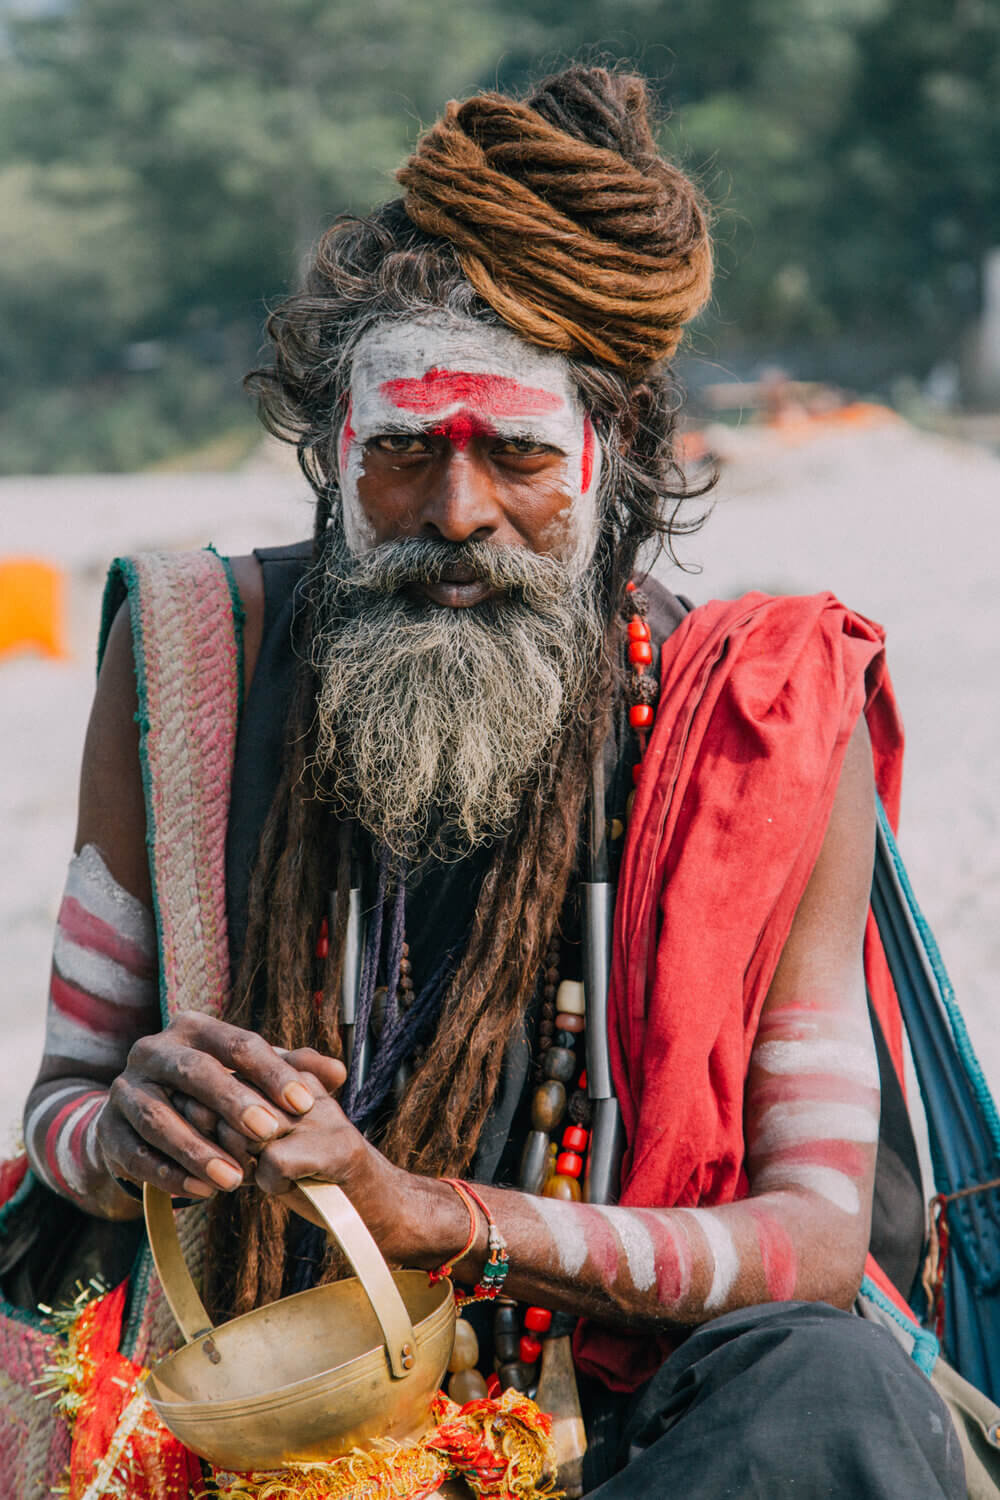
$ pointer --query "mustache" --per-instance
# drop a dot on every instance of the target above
(393, 566)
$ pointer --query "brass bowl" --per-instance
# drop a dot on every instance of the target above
(309, 1377)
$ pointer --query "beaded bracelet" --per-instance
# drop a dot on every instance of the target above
(443, 1271)
(490, 1283)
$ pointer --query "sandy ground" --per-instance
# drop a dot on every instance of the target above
(901, 525)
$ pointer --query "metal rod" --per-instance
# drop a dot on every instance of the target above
(597, 901)
(350, 978)
(597, 904)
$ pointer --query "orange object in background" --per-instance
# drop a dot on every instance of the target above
(32, 607)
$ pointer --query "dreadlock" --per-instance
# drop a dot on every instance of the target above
(367, 271)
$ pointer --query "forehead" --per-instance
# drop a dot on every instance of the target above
(417, 364)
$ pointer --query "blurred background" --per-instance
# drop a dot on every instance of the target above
(164, 170)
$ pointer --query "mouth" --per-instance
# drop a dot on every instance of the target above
(458, 589)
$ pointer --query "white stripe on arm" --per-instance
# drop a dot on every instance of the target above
(102, 998)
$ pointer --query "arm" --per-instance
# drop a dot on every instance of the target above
(811, 1121)
(103, 997)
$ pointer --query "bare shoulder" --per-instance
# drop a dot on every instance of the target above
(828, 930)
(112, 812)
(112, 807)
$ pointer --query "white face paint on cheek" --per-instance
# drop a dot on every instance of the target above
(459, 378)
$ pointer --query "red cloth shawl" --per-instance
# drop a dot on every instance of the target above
(758, 701)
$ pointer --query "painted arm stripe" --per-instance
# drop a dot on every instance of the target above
(842, 1156)
(89, 931)
(105, 1018)
(836, 1187)
(73, 1143)
(82, 1047)
(101, 977)
(90, 882)
(795, 1123)
(771, 1090)
(34, 1131)
(52, 1137)
(805, 1058)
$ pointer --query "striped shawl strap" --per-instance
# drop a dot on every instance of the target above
(187, 644)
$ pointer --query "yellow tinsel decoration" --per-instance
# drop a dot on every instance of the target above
(501, 1449)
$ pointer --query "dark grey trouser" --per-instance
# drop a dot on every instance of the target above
(790, 1401)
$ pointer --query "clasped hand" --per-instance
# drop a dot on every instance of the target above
(204, 1105)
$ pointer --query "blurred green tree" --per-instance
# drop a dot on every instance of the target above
(162, 171)
(164, 168)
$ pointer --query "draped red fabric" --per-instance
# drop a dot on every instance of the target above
(758, 700)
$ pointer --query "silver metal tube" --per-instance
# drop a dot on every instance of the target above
(350, 978)
(598, 902)
(607, 1145)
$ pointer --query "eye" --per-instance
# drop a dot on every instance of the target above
(400, 444)
(522, 447)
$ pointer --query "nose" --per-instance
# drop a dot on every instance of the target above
(462, 504)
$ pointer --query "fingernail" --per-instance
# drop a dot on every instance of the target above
(223, 1175)
(281, 1051)
(260, 1121)
(298, 1097)
(195, 1188)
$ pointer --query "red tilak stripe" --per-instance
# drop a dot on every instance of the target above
(587, 462)
(81, 926)
(462, 428)
(346, 438)
(497, 395)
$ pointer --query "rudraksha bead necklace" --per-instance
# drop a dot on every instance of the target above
(545, 1168)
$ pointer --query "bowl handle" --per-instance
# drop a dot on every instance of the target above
(342, 1221)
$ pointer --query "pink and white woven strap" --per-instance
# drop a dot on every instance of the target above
(187, 663)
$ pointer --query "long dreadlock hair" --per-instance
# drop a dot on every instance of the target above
(370, 270)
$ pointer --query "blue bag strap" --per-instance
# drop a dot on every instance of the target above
(962, 1118)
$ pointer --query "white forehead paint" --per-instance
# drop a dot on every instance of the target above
(836, 1187)
(565, 1223)
(725, 1256)
(636, 1241)
(850, 1060)
(794, 1124)
(460, 378)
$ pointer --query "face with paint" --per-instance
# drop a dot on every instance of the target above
(461, 431)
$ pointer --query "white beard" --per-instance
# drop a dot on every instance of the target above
(434, 723)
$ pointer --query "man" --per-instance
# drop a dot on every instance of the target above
(474, 378)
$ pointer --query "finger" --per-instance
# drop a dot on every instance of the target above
(147, 1109)
(198, 1115)
(128, 1156)
(331, 1153)
(220, 1067)
(330, 1071)
(237, 1145)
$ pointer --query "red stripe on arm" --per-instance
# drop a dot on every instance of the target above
(103, 1017)
(88, 931)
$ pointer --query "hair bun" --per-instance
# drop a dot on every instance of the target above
(566, 219)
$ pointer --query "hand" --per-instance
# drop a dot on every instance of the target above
(415, 1220)
(229, 1082)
